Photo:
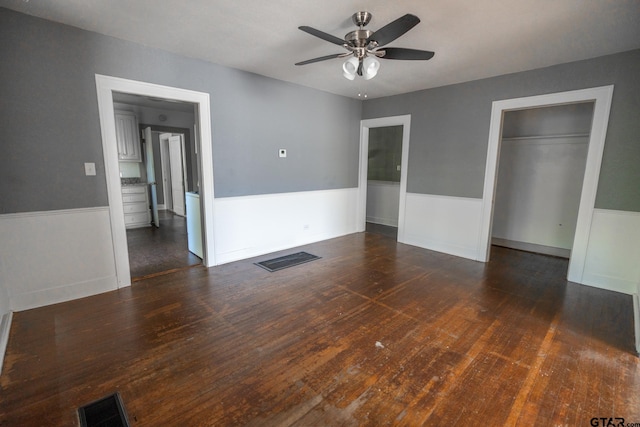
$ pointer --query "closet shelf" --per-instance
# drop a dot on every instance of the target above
(534, 137)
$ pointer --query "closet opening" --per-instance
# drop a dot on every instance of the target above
(541, 168)
(600, 98)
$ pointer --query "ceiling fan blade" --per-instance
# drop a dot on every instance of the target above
(407, 54)
(395, 29)
(322, 58)
(322, 35)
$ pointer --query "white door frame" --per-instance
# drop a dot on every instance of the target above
(179, 182)
(105, 86)
(636, 317)
(164, 162)
(151, 172)
(365, 125)
(601, 96)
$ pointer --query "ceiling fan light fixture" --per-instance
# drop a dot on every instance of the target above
(371, 67)
(349, 68)
(362, 45)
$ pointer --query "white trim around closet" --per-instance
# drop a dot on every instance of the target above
(601, 96)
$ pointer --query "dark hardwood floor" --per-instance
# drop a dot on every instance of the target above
(156, 250)
(374, 333)
(385, 230)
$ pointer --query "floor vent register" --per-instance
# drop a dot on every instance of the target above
(287, 261)
(106, 412)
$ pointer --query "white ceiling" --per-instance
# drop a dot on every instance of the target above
(472, 39)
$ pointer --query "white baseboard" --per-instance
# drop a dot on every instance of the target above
(531, 247)
(252, 252)
(443, 224)
(609, 282)
(66, 292)
(250, 226)
(382, 221)
(5, 328)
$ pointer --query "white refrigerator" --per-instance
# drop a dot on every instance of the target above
(194, 224)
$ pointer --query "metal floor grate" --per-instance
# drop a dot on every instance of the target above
(106, 412)
(287, 261)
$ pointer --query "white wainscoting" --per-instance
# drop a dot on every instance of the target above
(5, 328)
(383, 201)
(613, 251)
(249, 226)
(55, 256)
(453, 225)
(443, 223)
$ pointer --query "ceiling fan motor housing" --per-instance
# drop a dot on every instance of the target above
(358, 38)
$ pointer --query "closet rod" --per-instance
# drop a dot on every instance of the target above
(524, 138)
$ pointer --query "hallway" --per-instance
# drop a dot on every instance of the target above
(155, 250)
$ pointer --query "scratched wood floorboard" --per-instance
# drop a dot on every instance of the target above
(374, 333)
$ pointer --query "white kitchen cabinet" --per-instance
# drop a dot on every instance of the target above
(135, 201)
(127, 137)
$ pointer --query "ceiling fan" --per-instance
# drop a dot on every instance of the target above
(363, 45)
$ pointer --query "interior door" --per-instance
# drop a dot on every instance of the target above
(177, 183)
(151, 175)
(166, 170)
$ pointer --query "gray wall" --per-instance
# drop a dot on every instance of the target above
(50, 123)
(450, 127)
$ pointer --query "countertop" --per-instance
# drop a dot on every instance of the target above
(134, 184)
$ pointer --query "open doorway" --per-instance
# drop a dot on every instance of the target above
(383, 130)
(541, 168)
(106, 86)
(174, 168)
(601, 98)
(157, 231)
(383, 179)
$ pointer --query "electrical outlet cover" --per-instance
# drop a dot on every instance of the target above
(90, 169)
